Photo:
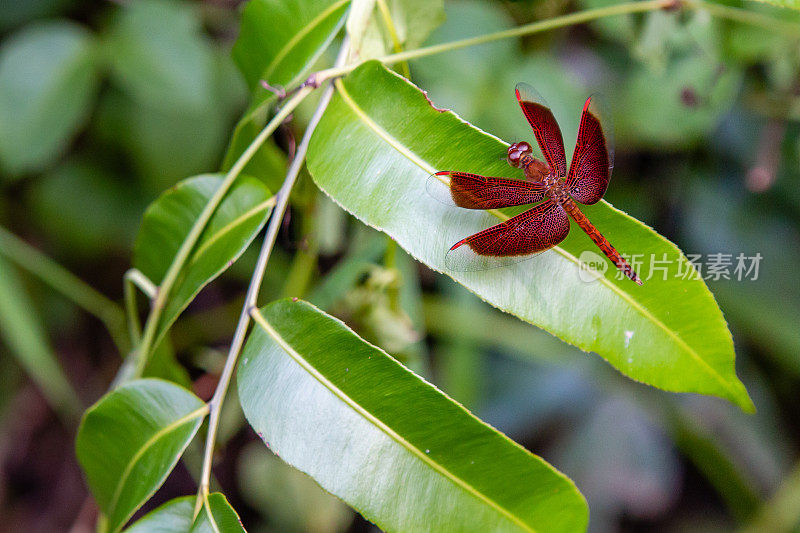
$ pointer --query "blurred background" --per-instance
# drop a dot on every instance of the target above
(103, 105)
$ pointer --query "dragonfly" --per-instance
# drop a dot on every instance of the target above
(547, 183)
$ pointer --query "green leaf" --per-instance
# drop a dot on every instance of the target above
(291, 500)
(373, 151)
(159, 55)
(168, 221)
(366, 42)
(485, 63)
(26, 337)
(131, 439)
(163, 364)
(386, 442)
(404, 25)
(414, 20)
(278, 42)
(47, 83)
(268, 163)
(217, 515)
(177, 516)
(493, 65)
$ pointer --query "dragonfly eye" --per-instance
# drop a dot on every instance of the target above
(524, 147)
(516, 151)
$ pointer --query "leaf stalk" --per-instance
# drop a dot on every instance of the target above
(215, 404)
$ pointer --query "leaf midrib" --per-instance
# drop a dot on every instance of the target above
(198, 255)
(207, 507)
(405, 151)
(230, 226)
(299, 359)
(297, 37)
(148, 444)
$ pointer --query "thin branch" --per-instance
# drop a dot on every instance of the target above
(386, 15)
(527, 29)
(134, 278)
(141, 281)
(717, 10)
(215, 405)
(151, 326)
(79, 292)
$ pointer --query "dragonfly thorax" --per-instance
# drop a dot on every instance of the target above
(519, 156)
(536, 170)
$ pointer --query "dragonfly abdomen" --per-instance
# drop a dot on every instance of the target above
(577, 215)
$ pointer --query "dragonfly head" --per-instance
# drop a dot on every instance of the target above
(516, 153)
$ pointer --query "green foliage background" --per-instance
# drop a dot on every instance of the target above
(104, 106)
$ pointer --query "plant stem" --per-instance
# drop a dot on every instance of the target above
(215, 404)
(151, 326)
(29, 258)
(527, 29)
(141, 281)
(718, 10)
(386, 15)
(134, 278)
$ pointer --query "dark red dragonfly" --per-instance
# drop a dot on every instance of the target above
(545, 225)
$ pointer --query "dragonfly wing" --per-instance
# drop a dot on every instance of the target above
(593, 159)
(516, 239)
(473, 191)
(545, 127)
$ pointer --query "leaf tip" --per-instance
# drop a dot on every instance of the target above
(746, 404)
(741, 398)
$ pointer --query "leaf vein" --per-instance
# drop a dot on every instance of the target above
(307, 29)
(148, 444)
(230, 226)
(299, 359)
(406, 152)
